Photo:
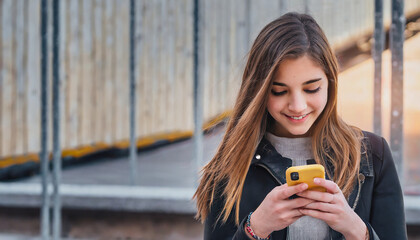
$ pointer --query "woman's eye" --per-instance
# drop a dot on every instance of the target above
(278, 93)
(313, 91)
(284, 92)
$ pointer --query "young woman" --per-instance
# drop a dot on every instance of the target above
(285, 115)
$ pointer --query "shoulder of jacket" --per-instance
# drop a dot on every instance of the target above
(376, 143)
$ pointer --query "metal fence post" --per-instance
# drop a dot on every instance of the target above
(56, 122)
(306, 6)
(397, 42)
(45, 214)
(377, 58)
(283, 7)
(198, 87)
(133, 148)
(248, 23)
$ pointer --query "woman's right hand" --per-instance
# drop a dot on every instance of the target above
(277, 211)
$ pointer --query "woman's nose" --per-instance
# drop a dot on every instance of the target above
(297, 103)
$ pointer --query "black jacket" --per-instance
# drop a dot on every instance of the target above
(378, 200)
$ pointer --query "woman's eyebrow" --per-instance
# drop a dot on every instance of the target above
(305, 83)
(312, 81)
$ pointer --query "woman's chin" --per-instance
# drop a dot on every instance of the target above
(301, 133)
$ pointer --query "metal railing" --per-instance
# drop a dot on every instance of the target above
(45, 216)
(397, 114)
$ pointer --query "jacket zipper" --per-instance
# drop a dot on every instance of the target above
(271, 173)
(361, 181)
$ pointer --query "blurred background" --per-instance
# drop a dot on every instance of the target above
(186, 67)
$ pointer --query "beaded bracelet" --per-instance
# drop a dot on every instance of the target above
(251, 232)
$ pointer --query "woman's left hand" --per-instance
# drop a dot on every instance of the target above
(332, 208)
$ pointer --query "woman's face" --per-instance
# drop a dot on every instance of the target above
(298, 96)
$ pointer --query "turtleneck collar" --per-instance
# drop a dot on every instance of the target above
(297, 149)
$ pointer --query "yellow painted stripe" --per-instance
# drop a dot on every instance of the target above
(9, 161)
(179, 135)
(150, 140)
(213, 122)
(84, 150)
(88, 149)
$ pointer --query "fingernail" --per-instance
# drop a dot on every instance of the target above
(304, 186)
(317, 180)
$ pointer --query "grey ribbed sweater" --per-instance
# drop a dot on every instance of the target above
(299, 150)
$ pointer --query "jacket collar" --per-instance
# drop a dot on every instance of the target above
(267, 156)
(366, 162)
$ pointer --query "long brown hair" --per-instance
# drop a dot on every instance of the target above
(290, 36)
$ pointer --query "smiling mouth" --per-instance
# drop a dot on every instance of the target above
(297, 117)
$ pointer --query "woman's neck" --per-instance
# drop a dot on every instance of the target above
(297, 149)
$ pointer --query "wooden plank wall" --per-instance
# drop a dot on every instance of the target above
(94, 62)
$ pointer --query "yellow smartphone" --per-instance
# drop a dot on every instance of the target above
(306, 174)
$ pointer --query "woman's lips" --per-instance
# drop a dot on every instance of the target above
(297, 119)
